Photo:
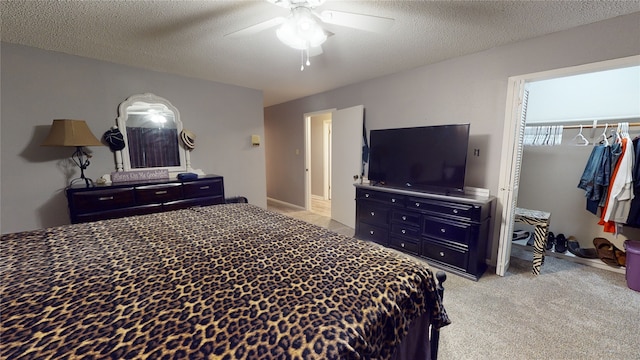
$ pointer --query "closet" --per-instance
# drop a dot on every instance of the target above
(551, 169)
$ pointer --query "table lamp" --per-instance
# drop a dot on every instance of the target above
(65, 132)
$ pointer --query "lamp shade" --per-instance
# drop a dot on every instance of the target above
(65, 132)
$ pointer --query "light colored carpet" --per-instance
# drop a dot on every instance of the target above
(569, 311)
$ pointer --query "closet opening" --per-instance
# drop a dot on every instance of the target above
(544, 154)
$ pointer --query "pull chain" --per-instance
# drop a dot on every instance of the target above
(302, 63)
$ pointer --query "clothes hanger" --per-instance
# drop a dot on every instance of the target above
(580, 137)
(625, 130)
(603, 136)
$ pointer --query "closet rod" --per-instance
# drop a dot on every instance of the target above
(587, 127)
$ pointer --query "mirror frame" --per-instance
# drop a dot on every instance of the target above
(123, 161)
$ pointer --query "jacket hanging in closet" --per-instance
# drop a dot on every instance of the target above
(595, 177)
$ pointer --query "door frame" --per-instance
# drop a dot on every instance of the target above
(511, 143)
(326, 159)
(307, 153)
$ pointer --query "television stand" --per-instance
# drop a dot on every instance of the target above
(449, 231)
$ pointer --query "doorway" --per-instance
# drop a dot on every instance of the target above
(512, 145)
(320, 162)
(343, 170)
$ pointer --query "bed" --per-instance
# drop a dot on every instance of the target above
(230, 281)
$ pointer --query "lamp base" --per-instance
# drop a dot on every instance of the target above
(81, 159)
(88, 182)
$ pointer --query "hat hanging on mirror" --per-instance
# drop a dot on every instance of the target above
(113, 137)
(188, 139)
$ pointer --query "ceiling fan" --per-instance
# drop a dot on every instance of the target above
(301, 30)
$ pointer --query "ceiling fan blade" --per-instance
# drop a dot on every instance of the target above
(315, 51)
(254, 29)
(356, 21)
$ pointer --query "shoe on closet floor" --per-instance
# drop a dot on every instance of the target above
(574, 247)
(621, 256)
(520, 235)
(561, 243)
(605, 250)
(531, 240)
(551, 240)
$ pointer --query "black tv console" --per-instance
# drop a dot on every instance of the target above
(451, 232)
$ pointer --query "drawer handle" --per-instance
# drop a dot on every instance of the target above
(402, 244)
(417, 204)
(161, 192)
(371, 232)
(105, 198)
(366, 195)
(455, 211)
(204, 187)
(404, 218)
(404, 231)
(441, 253)
(393, 200)
(373, 213)
(443, 230)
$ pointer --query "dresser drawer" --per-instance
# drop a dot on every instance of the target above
(151, 194)
(405, 245)
(447, 230)
(462, 211)
(404, 230)
(448, 255)
(372, 213)
(206, 188)
(403, 217)
(99, 200)
(118, 213)
(373, 233)
(383, 197)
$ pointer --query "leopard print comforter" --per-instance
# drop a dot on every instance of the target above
(222, 282)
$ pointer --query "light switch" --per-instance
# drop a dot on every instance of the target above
(255, 140)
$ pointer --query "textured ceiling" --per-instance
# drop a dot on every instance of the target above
(187, 37)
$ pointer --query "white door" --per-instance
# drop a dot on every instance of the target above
(510, 174)
(346, 161)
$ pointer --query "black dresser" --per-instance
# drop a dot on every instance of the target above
(450, 232)
(126, 199)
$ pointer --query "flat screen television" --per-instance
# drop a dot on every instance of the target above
(427, 158)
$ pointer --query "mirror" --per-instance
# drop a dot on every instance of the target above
(151, 126)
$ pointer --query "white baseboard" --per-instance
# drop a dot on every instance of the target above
(285, 203)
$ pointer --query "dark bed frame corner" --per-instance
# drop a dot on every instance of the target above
(435, 333)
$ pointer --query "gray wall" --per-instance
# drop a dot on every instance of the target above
(39, 86)
(465, 89)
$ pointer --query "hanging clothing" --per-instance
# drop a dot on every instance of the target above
(591, 169)
(634, 211)
(615, 151)
(595, 177)
(620, 194)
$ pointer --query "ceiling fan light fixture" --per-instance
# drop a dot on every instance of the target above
(288, 4)
(301, 31)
